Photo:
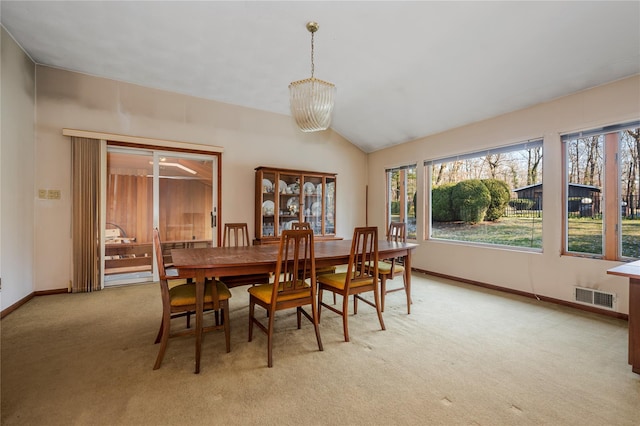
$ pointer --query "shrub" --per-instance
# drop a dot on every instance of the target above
(521, 203)
(500, 195)
(441, 207)
(470, 200)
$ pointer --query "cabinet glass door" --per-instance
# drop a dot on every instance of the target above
(312, 191)
(330, 206)
(289, 201)
(269, 189)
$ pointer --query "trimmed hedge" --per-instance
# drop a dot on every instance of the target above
(500, 196)
(441, 207)
(470, 200)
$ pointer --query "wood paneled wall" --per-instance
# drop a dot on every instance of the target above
(185, 207)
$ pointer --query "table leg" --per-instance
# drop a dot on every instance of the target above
(407, 279)
(199, 314)
(634, 324)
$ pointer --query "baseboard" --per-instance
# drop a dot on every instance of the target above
(605, 312)
(28, 297)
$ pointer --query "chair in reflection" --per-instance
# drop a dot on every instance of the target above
(179, 299)
(391, 268)
(358, 279)
(237, 235)
(294, 286)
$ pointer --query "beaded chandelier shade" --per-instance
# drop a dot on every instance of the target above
(311, 99)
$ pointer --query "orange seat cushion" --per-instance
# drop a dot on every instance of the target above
(385, 268)
(265, 291)
(338, 280)
(185, 294)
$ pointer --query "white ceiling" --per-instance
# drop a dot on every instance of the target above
(403, 70)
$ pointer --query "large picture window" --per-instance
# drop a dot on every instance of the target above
(602, 186)
(401, 197)
(489, 197)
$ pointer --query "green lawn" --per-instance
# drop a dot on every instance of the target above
(585, 234)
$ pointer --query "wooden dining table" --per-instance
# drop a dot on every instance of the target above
(218, 262)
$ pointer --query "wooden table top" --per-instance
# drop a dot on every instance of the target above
(630, 270)
(264, 257)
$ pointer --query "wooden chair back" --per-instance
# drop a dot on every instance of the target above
(397, 232)
(235, 235)
(296, 264)
(300, 225)
(364, 253)
(157, 246)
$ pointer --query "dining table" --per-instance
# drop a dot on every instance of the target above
(218, 262)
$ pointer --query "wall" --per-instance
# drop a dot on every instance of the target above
(547, 273)
(250, 138)
(17, 194)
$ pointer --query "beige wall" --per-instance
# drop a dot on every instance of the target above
(250, 138)
(17, 195)
(547, 273)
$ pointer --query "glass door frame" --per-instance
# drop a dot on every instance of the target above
(157, 152)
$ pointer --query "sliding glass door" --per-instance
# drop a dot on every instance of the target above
(175, 192)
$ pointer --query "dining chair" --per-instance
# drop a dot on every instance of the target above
(237, 235)
(180, 300)
(388, 269)
(358, 279)
(319, 271)
(294, 286)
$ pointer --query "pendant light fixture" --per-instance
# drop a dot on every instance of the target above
(311, 99)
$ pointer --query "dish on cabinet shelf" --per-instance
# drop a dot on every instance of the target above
(282, 186)
(316, 209)
(293, 201)
(309, 188)
(319, 189)
(267, 186)
(287, 225)
(268, 208)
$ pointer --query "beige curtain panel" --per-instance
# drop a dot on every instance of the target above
(85, 163)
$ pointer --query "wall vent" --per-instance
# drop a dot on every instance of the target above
(589, 296)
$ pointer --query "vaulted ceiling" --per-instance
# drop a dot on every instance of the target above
(403, 70)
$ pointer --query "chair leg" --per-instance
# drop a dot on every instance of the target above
(383, 290)
(315, 320)
(251, 310)
(227, 327)
(159, 336)
(376, 296)
(320, 301)
(272, 316)
(345, 316)
(189, 320)
(166, 318)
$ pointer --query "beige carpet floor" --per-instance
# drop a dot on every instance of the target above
(465, 356)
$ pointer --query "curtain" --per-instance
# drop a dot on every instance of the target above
(85, 180)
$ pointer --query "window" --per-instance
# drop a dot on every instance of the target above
(601, 192)
(401, 197)
(489, 197)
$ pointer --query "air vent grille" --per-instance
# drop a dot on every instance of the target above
(593, 297)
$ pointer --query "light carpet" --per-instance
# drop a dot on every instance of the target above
(465, 356)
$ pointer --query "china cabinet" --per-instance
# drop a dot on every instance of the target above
(285, 196)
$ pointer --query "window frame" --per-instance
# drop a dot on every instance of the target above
(537, 142)
(611, 193)
(404, 209)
